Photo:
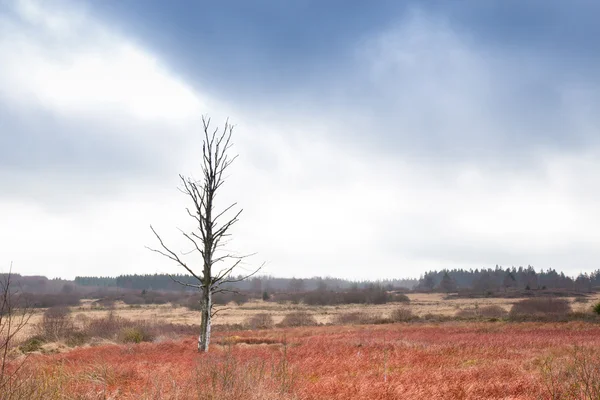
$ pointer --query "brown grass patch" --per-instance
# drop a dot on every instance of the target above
(232, 340)
(465, 361)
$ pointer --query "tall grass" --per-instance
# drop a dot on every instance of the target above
(574, 377)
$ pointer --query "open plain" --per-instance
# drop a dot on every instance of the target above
(482, 358)
(399, 361)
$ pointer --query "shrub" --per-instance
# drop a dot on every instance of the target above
(372, 294)
(77, 338)
(402, 315)
(228, 297)
(298, 318)
(105, 303)
(32, 344)
(293, 298)
(321, 298)
(540, 306)
(260, 321)
(466, 313)
(133, 299)
(56, 323)
(492, 311)
(354, 318)
(399, 298)
(134, 335)
(81, 320)
(430, 317)
(49, 300)
(106, 327)
(193, 303)
(577, 377)
(376, 295)
(125, 330)
(596, 308)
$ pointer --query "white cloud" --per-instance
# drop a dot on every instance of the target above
(320, 197)
(70, 64)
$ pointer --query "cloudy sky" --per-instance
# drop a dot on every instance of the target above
(376, 139)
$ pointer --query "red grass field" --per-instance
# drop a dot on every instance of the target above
(401, 361)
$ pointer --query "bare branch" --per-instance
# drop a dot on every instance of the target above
(218, 310)
(229, 256)
(185, 284)
(243, 278)
(193, 241)
(224, 279)
(221, 275)
(227, 225)
(170, 254)
(223, 212)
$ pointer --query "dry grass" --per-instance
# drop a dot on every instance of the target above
(421, 304)
(448, 361)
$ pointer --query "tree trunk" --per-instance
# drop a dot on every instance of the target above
(204, 338)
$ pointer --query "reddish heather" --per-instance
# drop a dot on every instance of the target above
(402, 361)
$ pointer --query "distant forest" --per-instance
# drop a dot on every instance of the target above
(489, 280)
(498, 279)
(255, 284)
(447, 280)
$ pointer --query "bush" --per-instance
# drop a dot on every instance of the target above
(466, 313)
(260, 321)
(228, 297)
(354, 318)
(577, 377)
(56, 323)
(194, 302)
(492, 311)
(50, 300)
(321, 298)
(133, 299)
(134, 335)
(77, 338)
(596, 308)
(402, 315)
(104, 303)
(540, 306)
(373, 294)
(282, 298)
(399, 298)
(112, 327)
(430, 317)
(298, 318)
(106, 327)
(32, 344)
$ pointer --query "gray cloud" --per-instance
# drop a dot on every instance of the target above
(428, 150)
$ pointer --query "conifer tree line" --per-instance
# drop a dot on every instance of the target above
(254, 284)
(446, 280)
(504, 279)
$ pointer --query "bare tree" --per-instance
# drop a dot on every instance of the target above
(212, 227)
(14, 316)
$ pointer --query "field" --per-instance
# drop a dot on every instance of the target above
(420, 304)
(450, 360)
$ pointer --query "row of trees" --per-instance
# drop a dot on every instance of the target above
(257, 284)
(498, 278)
